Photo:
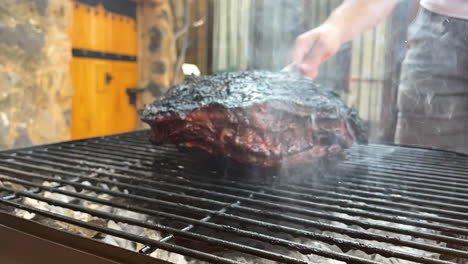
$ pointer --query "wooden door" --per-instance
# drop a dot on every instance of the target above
(103, 67)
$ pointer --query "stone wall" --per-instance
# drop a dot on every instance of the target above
(157, 48)
(35, 86)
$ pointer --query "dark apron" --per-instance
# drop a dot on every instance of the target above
(433, 91)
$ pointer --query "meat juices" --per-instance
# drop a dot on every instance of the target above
(261, 118)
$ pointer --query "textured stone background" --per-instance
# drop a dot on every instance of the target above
(35, 86)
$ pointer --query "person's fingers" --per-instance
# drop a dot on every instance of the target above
(300, 49)
(311, 72)
(312, 49)
(313, 58)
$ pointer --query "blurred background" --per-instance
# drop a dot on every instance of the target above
(83, 68)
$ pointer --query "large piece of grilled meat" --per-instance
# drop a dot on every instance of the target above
(257, 117)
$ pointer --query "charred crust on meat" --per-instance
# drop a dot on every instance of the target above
(242, 89)
(256, 117)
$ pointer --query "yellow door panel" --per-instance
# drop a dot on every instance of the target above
(95, 28)
(122, 81)
(88, 80)
(100, 102)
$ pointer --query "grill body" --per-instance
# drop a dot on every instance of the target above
(32, 243)
(383, 203)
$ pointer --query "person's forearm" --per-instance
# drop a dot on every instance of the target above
(354, 17)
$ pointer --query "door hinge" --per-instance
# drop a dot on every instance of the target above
(132, 93)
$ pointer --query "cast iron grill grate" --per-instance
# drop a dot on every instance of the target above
(384, 204)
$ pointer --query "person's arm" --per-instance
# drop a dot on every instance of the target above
(346, 22)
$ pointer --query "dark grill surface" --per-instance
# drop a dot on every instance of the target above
(384, 204)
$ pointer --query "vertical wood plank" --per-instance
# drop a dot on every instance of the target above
(216, 35)
(222, 58)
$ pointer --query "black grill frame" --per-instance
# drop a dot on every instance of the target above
(399, 188)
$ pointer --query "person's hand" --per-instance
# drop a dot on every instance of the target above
(314, 47)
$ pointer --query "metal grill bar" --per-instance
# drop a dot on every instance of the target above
(296, 246)
(337, 201)
(384, 187)
(301, 248)
(426, 166)
(149, 249)
(180, 233)
(387, 178)
(427, 178)
(412, 190)
(324, 206)
(112, 151)
(419, 157)
(376, 186)
(379, 195)
(342, 230)
(425, 196)
(117, 233)
(377, 227)
(407, 151)
(401, 164)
